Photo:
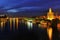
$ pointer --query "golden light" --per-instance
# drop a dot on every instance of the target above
(43, 25)
(50, 14)
(49, 31)
(2, 25)
(2, 22)
(42, 21)
(17, 23)
(59, 17)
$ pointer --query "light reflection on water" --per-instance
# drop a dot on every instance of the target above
(14, 24)
(29, 25)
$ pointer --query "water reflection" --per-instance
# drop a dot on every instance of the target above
(14, 22)
(10, 23)
(17, 24)
(49, 31)
(29, 25)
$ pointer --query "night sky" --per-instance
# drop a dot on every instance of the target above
(28, 6)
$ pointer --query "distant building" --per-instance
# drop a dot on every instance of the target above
(50, 14)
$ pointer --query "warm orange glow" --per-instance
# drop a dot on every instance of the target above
(58, 26)
(44, 25)
(50, 14)
(49, 31)
(59, 17)
(17, 23)
(14, 22)
(2, 22)
(2, 25)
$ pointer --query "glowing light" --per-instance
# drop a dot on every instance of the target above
(58, 26)
(39, 25)
(50, 14)
(29, 20)
(44, 25)
(2, 25)
(49, 31)
(50, 10)
(17, 23)
(42, 21)
(29, 24)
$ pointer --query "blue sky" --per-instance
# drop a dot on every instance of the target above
(22, 5)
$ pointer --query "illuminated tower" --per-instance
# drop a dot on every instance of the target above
(50, 14)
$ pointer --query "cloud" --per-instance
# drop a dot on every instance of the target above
(25, 9)
(23, 5)
(13, 10)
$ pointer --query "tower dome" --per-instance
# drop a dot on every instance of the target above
(50, 14)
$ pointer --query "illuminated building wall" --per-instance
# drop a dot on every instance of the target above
(50, 14)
